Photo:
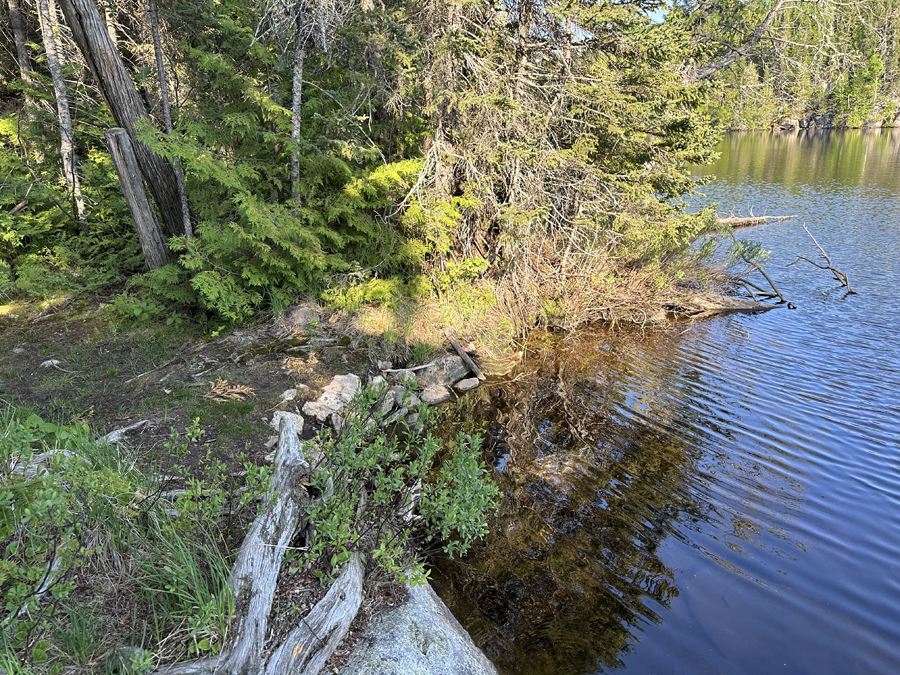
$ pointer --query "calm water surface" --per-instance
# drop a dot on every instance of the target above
(723, 499)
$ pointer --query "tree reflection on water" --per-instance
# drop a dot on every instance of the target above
(596, 449)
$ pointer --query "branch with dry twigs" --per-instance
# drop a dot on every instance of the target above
(839, 276)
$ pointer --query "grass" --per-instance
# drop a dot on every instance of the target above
(146, 575)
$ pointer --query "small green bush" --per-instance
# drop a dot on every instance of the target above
(377, 475)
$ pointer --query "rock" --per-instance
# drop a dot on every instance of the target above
(298, 317)
(18, 350)
(336, 395)
(293, 417)
(467, 384)
(288, 395)
(405, 398)
(382, 365)
(435, 394)
(445, 370)
(51, 363)
(420, 637)
(400, 376)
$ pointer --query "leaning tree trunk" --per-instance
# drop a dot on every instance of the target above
(149, 234)
(20, 37)
(49, 29)
(254, 578)
(92, 38)
(167, 113)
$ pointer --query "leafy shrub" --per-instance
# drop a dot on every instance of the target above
(376, 476)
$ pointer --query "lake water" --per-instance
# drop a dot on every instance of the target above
(722, 497)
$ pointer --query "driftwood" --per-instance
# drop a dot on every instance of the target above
(313, 641)
(713, 304)
(761, 292)
(470, 364)
(839, 276)
(747, 221)
(254, 580)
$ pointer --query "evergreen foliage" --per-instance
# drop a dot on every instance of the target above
(523, 143)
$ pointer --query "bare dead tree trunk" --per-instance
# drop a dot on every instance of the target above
(21, 39)
(106, 8)
(92, 37)
(49, 30)
(133, 188)
(297, 109)
(167, 114)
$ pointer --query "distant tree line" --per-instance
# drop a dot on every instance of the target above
(826, 61)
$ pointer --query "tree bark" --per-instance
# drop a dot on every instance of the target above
(167, 114)
(21, 39)
(133, 188)
(49, 29)
(297, 110)
(92, 38)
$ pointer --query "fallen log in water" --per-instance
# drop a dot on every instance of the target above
(712, 304)
(255, 577)
(747, 221)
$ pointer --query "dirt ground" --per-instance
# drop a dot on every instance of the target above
(79, 362)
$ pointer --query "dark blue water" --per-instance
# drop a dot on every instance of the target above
(722, 497)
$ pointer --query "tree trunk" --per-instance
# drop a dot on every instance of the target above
(118, 90)
(167, 113)
(49, 29)
(21, 39)
(133, 188)
(297, 110)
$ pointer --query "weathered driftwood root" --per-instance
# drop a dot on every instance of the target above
(313, 641)
(839, 276)
(747, 221)
(254, 580)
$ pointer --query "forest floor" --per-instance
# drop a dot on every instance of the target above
(77, 362)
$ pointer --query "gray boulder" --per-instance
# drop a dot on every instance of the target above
(335, 396)
(435, 394)
(420, 637)
(467, 384)
(443, 371)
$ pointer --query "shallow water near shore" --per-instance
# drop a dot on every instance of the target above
(722, 497)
